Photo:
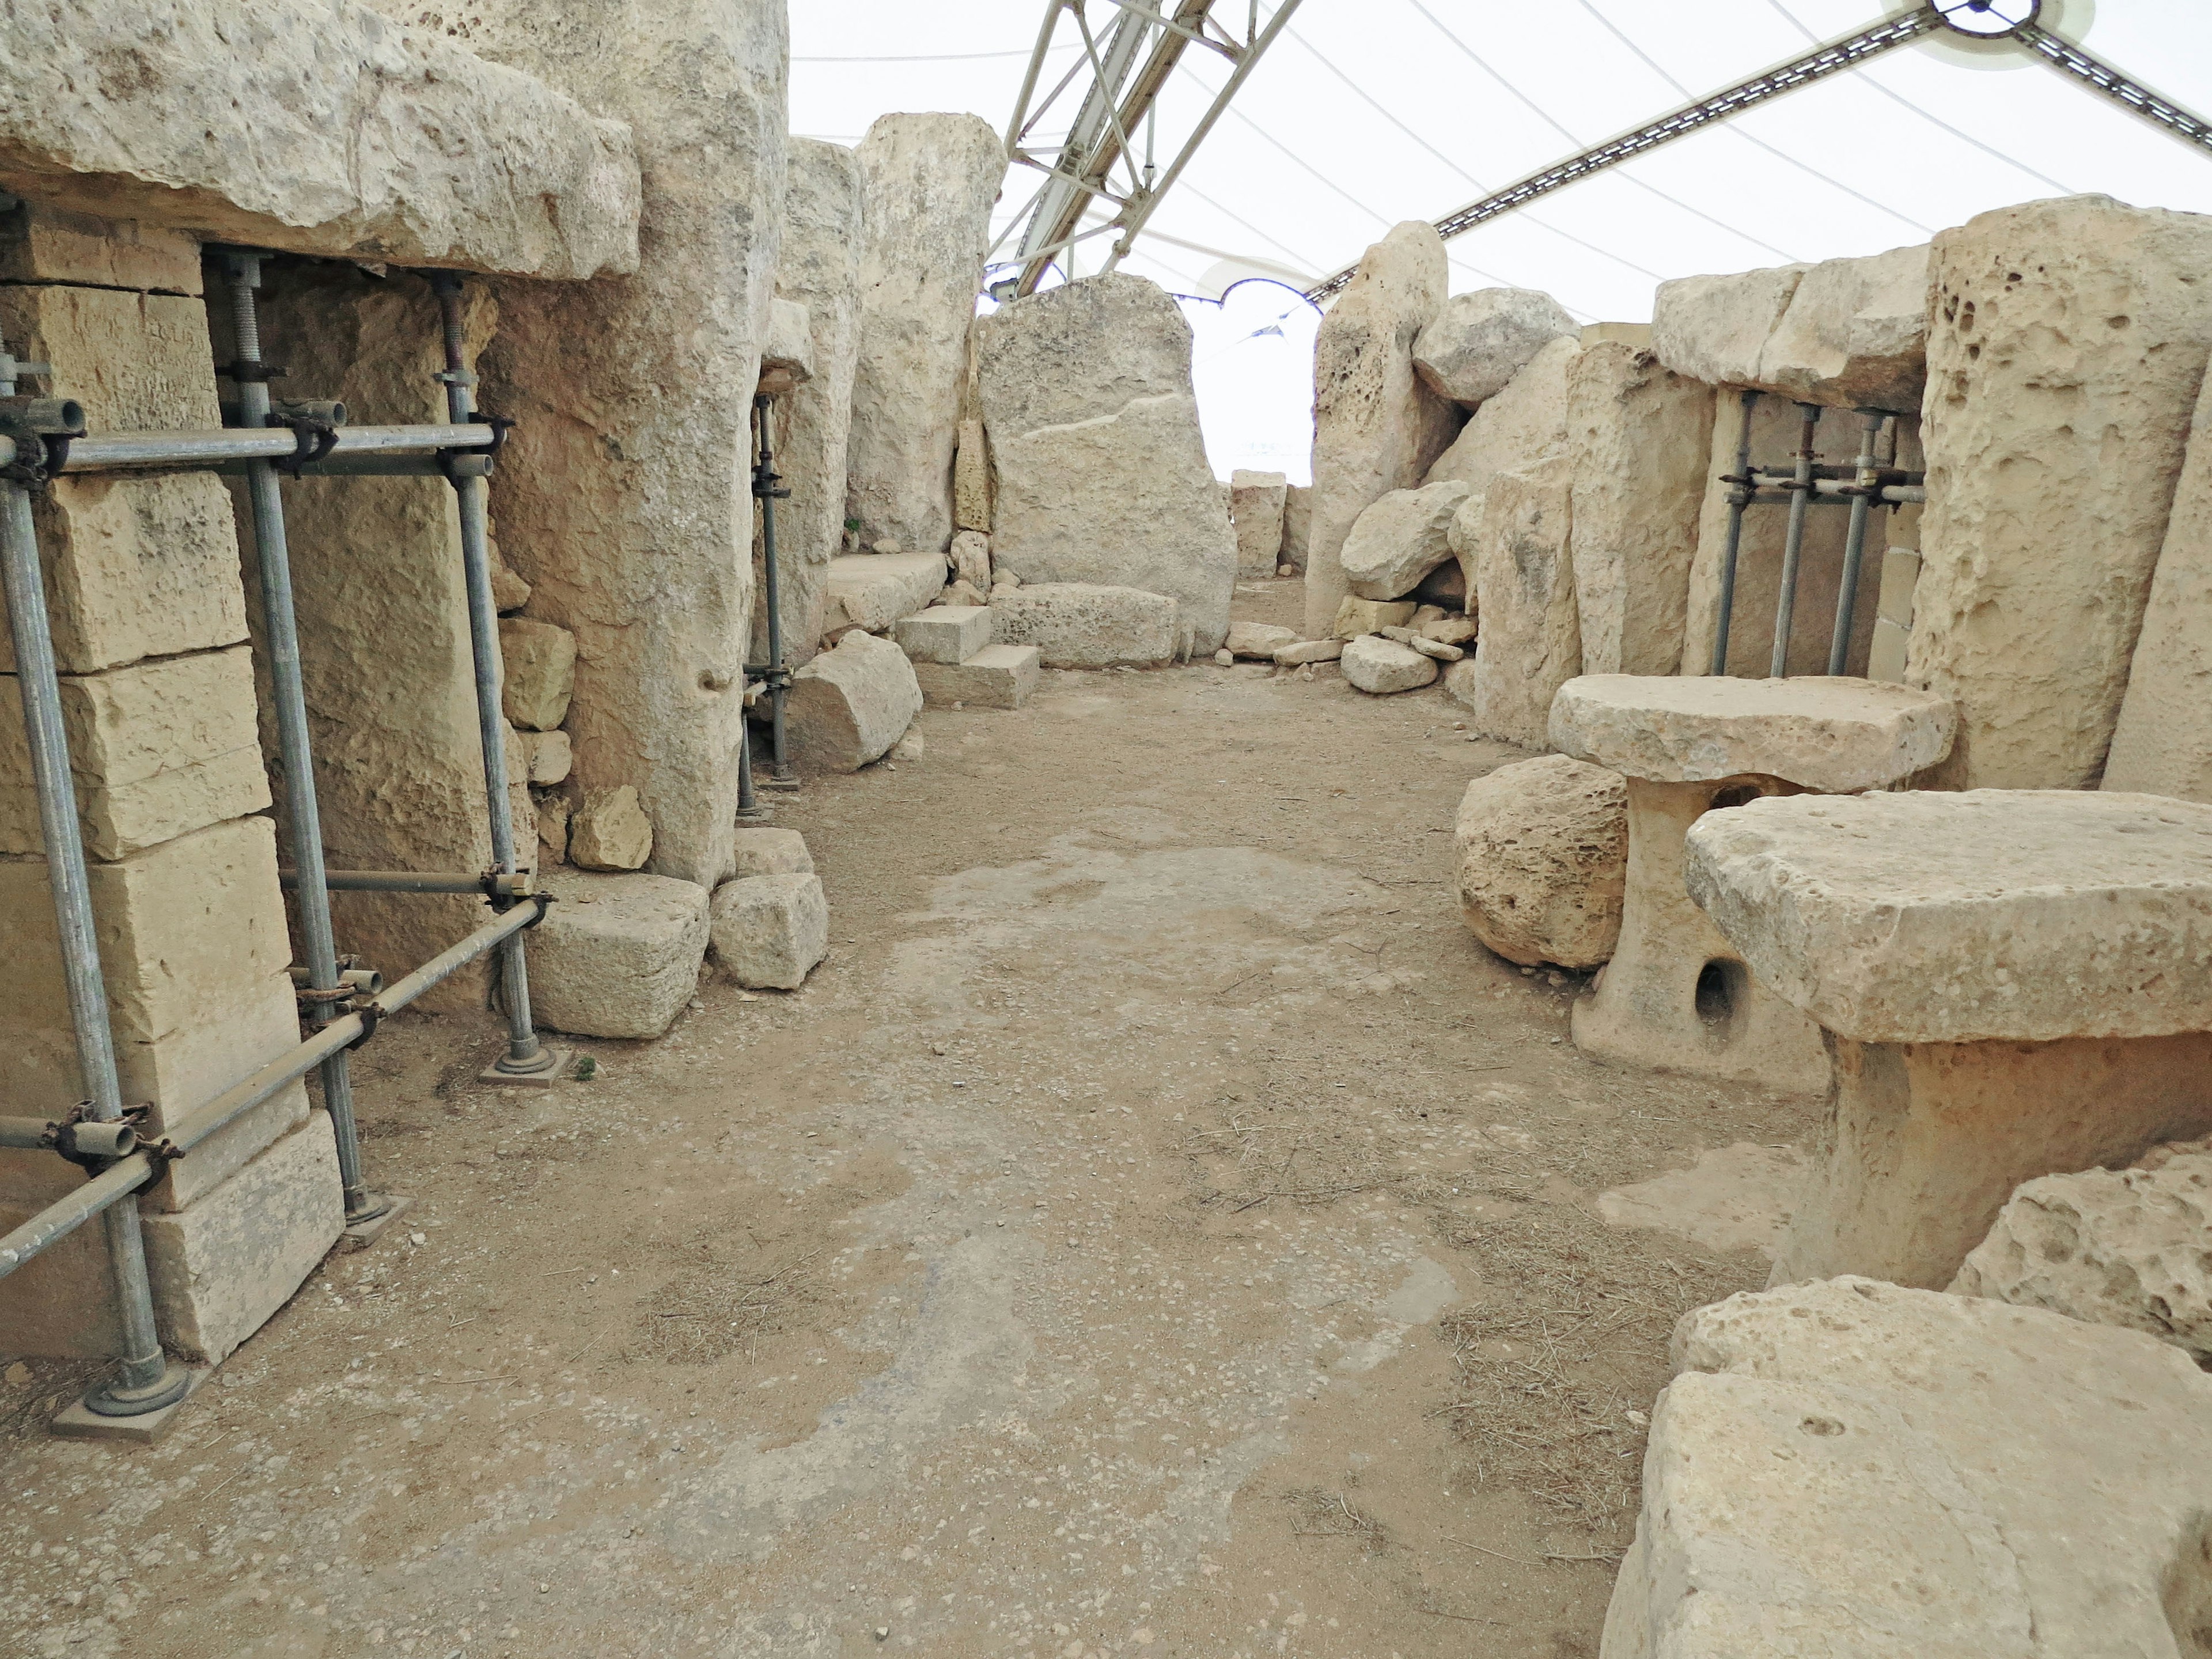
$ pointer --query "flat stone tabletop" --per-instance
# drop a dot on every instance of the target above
(1837, 735)
(1922, 917)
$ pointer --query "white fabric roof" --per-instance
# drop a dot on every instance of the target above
(1369, 111)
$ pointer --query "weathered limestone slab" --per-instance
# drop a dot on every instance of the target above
(1297, 521)
(1850, 1467)
(1356, 615)
(944, 633)
(222, 1266)
(159, 748)
(974, 492)
(2058, 413)
(873, 591)
(1522, 425)
(617, 956)
(1101, 472)
(1479, 341)
(1524, 585)
(1715, 329)
(1677, 993)
(42, 243)
(1640, 437)
(608, 831)
(1377, 427)
(1399, 539)
(997, 677)
(1260, 640)
(1085, 625)
(765, 852)
(850, 704)
(1541, 857)
(1381, 666)
(622, 499)
(541, 673)
(770, 931)
(321, 129)
(2108, 1246)
(2015, 984)
(819, 268)
(1255, 509)
(929, 184)
(1301, 653)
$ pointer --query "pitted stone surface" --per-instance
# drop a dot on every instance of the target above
(849, 705)
(1400, 538)
(770, 930)
(1519, 427)
(2028, 915)
(1542, 855)
(1086, 625)
(1255, 512)
(1481, 341)
(1834, 735)
(617, 956)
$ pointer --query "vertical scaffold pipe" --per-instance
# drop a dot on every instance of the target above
(767, 489)
(1793, 549)
(272, 555)
(147, 1380)
(1847, 591)
(1740, 494)
(526, 1056)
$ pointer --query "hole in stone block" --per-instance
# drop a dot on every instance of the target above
(1735, 794)
(1720, 987)
(2186, 1591)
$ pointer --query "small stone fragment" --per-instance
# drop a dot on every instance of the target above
(610, 831)
(1357, 615)
(1382, 666)
(970, 558)
(1306, 651)
(765, 852)
(1248, 638)
(541, 673)
(770, 931)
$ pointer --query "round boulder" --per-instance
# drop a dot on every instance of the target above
(1541, 854)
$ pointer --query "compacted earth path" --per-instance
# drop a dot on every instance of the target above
(1158, 1227)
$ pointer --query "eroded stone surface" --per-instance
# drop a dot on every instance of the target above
(1714, 329)
(850, 704)
(1086, 625)
(873, 591)
(610, 830)
(1381, 666)
(1248, 638)
(541, 673)
(617, 956)
(1524, 585)
(765, 852)
(944, 633)
(996, 676)
(1399, 539)
(1520, 426)
(770, 930)
(1255, 511)
(1541, 853)
(1479, 342)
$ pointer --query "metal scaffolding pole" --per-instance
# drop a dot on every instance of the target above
(1793, 548)
(768, 490)
(1847, 591)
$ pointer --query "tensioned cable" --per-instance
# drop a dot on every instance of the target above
(1297, 258)
(1867, 75)
(929, 58)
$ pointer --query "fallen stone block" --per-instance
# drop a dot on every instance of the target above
(764, 851)
(616, 956)
(610, 831)
(1255, 511)
(848, 706)
(1479, 341)
(1422, 643)
(770, 931)
(1308, 650)
(1451, 630)
(1248, 639)
(944, 633)
(971, 559)
(1542, 861)
(540, 661)
(1399, 539)
(997, 677)
(1356, 615)
(1083, 625)
(1518, 427)
(1382, 666)
(1849, 1468)
(1459, 683)
(873, 591)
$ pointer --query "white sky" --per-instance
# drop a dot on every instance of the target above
(1366, 112)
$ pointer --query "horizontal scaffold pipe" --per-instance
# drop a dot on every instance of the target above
(416, 881)
(216, 446)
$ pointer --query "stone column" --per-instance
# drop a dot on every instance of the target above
(1377, 425)
(624, 500)
(929, 184)
(150, 628)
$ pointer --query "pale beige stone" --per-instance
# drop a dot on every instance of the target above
(321, 128)
(541, 673)
(770, 930)
(2058, 413)
(971, 559)
(873, 591)
(972, 488)
(1474, 346)
(1641, 436)
(1421, 643)
(1255, 509)
(609, 831)
(1540, 856)
(1297, 521)
(40, 242)
(848, 706)
(765, 852)
(552, 826)
(929, 184)
(545, 755)
(787, 349)
(1853, 1468)
(1399, 539)
(1377, 427)
(1715, 329)
(1854, 334)
(996, 676)
(944, 633)
(1087, 625)
(1249, 639)
(1459, 683)
(1382, 666)
(159, 748)
(1356, 615)
(1309, 651)
(616, 956)
(1522, 425)
(1525, 596)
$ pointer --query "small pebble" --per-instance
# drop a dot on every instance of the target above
(1224, 657)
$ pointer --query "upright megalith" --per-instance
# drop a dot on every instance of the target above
(820, 269)
(623, 497)
(2065, 356)
(1525, 597)
(928, 182)
(1376, 425)
(1103, 477)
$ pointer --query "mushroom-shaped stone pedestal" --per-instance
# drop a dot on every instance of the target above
(2014, 983)
(1676, 993)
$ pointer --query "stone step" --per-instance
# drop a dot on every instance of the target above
(873, 590)
(997, 677)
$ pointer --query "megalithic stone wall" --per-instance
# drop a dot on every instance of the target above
(623, 499)
(930, 182)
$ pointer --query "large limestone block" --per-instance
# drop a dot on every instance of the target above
(997, 677)
(42, 243)
(820, 269)
(768, 931)
(616, 956)
(1479, 341)
(1255, 509)
(1297, 521)
(622, 500)
(1381, 666)
(541, 673)
(929, 184)
(1086, 393)
(944, 633)
(1400, 540)
(2065, 358)
(1850, 1467)
(224, 1264)
(873, 591)
(1641, 436)
(1087, 625)
(1377, 426)
(1541, 856)
(849, 705)
(1258, 639)
(2131, 1247)
(1518, 427)
(1715, 329)
(1524, 584)
(320, 128)
(159, 748)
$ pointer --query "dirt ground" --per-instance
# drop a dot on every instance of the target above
(1157, 1229)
